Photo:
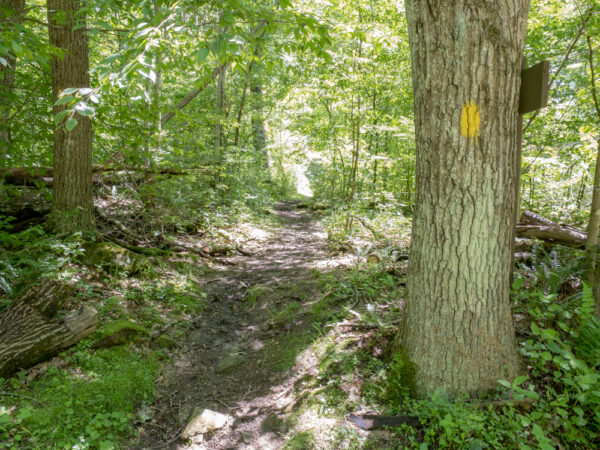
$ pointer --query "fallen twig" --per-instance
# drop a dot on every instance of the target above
(10, 394)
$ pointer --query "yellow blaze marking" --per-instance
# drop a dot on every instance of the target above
(470, 120)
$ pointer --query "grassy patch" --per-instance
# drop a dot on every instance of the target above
(300, 441)
(280, 354)
(89, 404)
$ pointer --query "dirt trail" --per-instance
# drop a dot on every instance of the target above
(229, 363)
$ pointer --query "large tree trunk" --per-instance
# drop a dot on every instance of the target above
(31, 330)
(73, 207)
(11, 14)
(466, 64)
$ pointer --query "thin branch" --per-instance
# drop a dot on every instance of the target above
(582, 27)
(593, 74)
(195, 92)
(9, 394)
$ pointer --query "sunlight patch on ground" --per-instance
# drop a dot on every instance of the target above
(252, 232)
(341, 260)
(320, 427)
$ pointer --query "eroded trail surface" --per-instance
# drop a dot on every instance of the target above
(233, 361)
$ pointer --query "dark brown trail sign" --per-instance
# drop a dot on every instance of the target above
(533, 96)
(534, 88)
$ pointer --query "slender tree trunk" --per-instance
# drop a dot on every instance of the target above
(259, 132)
(220, 110)
(355, 152)
(157, 93)
(240, 114)
(148, 122)
(355, 122)
(591, 244)
(466, 63)
(73, 207)
(374, 142)
(11, 14)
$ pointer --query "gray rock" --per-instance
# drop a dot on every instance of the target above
(229, 362)
(204, 421)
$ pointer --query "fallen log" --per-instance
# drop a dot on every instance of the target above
(535, 226)
(377, 422)
(562, 236)
(32, 330)
(531, 218)
(24, 176)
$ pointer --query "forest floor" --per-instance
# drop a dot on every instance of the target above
(274, 343)
(250, 354)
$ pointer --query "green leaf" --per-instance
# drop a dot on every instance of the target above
(110, 59)
(69, 91)
(84, 109)
(71, 123)
(16, 47)
(24, 413)
(64, 99)
(202, 54)
(538, 432)
(520, 380)
(505, 383)
(531, 394)
(58, 118)
(151, 75)
(227, 18)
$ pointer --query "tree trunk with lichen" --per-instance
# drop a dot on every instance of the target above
(466, 64)
(72, 207)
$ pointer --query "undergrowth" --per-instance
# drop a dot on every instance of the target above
(96, 398)
(90, 404)
(554, 404)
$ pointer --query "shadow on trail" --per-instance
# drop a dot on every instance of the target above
(245, 353)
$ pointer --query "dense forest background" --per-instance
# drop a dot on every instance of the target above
(328, 76)
(204, 115)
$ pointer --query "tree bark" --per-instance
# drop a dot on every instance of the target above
(259, 133)
(72, 208)
(220, 110)
(11, 14)
(466, 64)
(31, 330)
